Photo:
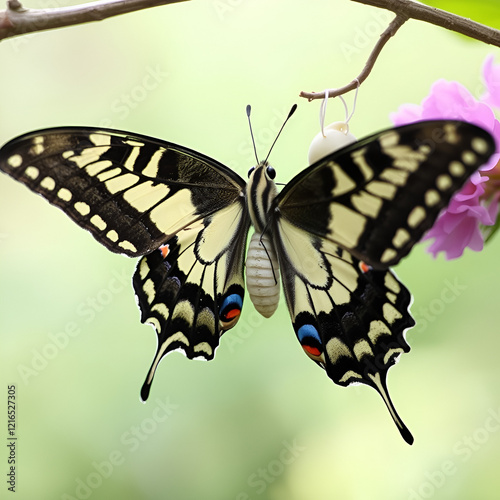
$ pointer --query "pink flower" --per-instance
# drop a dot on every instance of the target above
(462, 223)
(458, 226)
(491, 77)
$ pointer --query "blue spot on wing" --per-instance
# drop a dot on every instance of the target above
(232, 300)
(308, 331)
(231, 307)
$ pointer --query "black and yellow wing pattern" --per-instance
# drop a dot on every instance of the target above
(191, 289)
(139, 196)
(342, 222)
(336, 228)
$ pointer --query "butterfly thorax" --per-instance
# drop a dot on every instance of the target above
(262, 268)
(261, 191)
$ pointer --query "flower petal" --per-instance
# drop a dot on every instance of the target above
(406, 113)
(458, 226)
(491, 77)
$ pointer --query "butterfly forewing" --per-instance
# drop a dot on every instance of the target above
(191, 289)
(377, 197)
(131, 192)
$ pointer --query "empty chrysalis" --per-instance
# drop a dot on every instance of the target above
(334, 136)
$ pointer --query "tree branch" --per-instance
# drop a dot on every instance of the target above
(439, 17)
(390, 31)
(16, 20)
(404, 10)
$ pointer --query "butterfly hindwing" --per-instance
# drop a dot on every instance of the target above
(378, 196)
(191, 289)
(131, 192)
(348, 317)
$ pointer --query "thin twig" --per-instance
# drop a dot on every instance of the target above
(396, 23)
(439, 17)
(16, 20)
(404, 10)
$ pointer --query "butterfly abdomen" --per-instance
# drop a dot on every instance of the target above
(262, 273)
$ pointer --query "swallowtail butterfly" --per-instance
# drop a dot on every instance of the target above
(334, 231)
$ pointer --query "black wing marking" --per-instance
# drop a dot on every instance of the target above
(378, 196)
(342, 222)
(130, 191)
(348, 317)
(191, 289)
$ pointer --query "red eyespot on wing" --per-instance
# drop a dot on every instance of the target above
(233, 313)
(311, 350)
(230, 309)
(165, 250)
(364, 267)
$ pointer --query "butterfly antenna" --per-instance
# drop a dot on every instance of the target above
(249, 109)
(261, 241)
(292, 111)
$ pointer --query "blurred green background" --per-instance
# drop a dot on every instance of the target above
(261, 421)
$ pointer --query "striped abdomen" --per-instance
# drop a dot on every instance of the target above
(262, 272)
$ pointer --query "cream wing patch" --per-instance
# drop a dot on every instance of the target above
(131, 192)
(216, 237)
(302, 255)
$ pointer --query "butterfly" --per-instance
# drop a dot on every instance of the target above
(333, 231)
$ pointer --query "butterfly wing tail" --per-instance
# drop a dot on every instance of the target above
(380, 385)
(348, 317)
(191, 289)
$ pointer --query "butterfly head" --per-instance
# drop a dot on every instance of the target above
(264, 166)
